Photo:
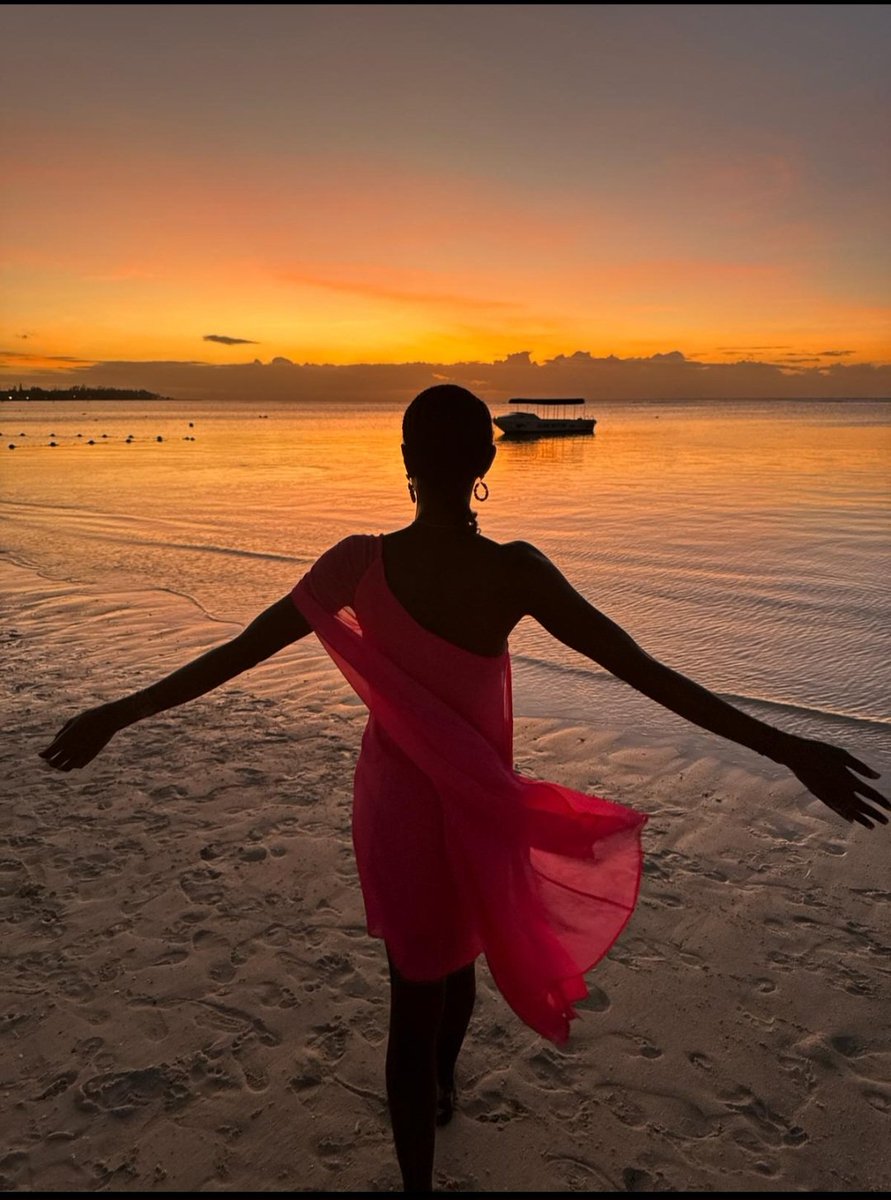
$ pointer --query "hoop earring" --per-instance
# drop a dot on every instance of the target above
(481, 483)
(411, 490)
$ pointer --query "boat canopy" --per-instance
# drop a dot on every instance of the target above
(574, 400)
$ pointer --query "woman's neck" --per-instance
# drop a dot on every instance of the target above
(444, 512)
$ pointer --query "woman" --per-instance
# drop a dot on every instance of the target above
(457, 854)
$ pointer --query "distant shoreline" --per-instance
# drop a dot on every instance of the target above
(67, 397)
(38, 395)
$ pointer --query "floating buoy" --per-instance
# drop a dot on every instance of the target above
(54, 443)
(159, 438)
(22, 435)
(105, 435)
(91, 442)
(11, 446)
(80, 435)
(191, 424)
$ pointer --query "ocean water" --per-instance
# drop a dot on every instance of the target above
(745, 544)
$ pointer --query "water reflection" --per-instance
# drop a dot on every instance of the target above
(544, 449)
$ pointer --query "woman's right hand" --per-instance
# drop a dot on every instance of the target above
(80, 739)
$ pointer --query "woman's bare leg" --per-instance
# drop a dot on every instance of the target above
(460, 995)
(415, 1013)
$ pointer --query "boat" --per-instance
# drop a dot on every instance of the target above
(534, 424)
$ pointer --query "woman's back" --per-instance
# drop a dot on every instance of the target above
(461, 587)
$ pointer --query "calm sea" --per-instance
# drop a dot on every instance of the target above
(745, 544)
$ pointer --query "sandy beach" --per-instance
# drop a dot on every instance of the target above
(191, 1001)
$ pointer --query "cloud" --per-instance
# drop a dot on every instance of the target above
(401, 294)
(835, 353)
(749, 349)
(662, 376)
(229, 341)
(16, 358)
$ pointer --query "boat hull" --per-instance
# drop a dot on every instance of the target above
(530, 425)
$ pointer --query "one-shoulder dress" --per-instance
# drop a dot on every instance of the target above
(457, 853)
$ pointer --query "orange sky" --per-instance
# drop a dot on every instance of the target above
(400, 183)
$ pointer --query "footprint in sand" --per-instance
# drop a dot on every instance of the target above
(276, 935)
(171, 955)
(309, 1074)
(252, 1066)
(596, 1000)
(371, 1024)
(637, 953)
(209, 941)
(662, 1112)
(873, 894)
(765, 1127)
(457, 1183)
(837, 849)
(14, 1166)
(200, 885)
(849, 1046)
(272, 995)
(661, 899)
(88, 1048)
(236, 1021)
(122, 1093)
(635, 1179)
(702, 1061)
(12, 1019)
(334, 968)
(207, 1070)
(331, 1151)
(493, 1105)
(329, 1041)
(59, 1085)
(554, 1071)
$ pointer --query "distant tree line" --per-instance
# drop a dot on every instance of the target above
(79, 392)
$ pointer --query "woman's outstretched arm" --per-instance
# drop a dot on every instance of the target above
(827, 771)
(80, 739)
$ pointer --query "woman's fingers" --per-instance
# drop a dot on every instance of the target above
(860, 767)
(57, 745)
(63, 754)
(873, 814)
(863, 789)
(79, 740)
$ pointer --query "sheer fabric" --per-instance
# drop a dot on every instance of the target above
(457, 853)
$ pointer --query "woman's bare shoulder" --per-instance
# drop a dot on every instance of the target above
(522, 556)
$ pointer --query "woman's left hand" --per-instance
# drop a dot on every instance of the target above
(831, 774)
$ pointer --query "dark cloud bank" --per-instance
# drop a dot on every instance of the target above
(668, 376)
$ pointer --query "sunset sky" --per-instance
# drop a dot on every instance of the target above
(442, 183)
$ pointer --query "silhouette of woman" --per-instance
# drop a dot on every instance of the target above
(457, 854)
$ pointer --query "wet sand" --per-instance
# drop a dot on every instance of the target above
(190, 1000)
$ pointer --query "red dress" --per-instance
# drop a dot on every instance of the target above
(458, 854)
